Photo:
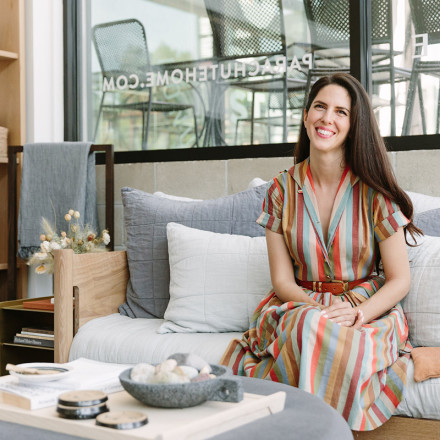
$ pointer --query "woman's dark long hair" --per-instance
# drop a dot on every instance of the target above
(365, 150)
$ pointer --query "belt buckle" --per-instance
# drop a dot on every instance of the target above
(343, 284)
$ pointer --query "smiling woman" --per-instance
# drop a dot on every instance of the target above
(332, 324)
(328, 120)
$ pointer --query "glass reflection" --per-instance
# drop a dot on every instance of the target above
(236, 72)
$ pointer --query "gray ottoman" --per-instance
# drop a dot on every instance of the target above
(305, 417)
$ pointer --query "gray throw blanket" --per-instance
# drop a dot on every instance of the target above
(55, 177)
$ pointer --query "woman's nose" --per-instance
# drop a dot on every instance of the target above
(327, 117)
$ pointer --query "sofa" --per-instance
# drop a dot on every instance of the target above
(190, 277)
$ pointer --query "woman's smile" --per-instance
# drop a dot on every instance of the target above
(324, 132)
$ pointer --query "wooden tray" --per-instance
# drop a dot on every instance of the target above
(197, 422)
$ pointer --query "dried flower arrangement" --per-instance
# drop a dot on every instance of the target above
(80, 238)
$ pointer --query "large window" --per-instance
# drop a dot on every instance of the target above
(405, 65)
(186, 74)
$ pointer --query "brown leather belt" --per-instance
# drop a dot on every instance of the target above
(336, 287)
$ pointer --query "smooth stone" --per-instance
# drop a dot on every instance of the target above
(189, 372)
(141, 372)
(205, 370)
(201, 377)
(167, 377)
(191, 360)
(141, 377)
(167, 365)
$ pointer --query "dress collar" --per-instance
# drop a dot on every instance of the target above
(302, 175)
(300, 172)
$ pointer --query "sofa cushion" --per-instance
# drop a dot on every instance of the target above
(146, 217)
(420, 398)
(429, 222)
(122, 340)
(217, 280)
(422, 304)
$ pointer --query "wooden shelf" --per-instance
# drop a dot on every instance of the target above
(6, 55)
(22, 309)
(38, 347)
(13, 317)
(12, 116)
(4, 266)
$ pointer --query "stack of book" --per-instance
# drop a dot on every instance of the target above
(85, 374)
(35, 336)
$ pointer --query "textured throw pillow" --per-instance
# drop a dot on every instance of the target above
(429, 222)
(146, 217)
(426, 363)
(422, 304)
(216, 280)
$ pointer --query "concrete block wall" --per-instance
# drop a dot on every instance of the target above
(415, 171)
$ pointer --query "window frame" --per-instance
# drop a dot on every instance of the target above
(360, 66)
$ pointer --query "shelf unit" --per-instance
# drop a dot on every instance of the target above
(12, 116)
(13, 316)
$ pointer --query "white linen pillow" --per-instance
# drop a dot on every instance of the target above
(422, 202)
(216, 280)
(256, 181)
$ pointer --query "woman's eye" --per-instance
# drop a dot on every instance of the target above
(342, 112)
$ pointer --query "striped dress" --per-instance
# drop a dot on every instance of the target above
(362, 374)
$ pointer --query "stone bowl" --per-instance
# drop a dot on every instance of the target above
(225, 387)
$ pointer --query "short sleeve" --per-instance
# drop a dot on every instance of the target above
(388, 217)
(273, 206)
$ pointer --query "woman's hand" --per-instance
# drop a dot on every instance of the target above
(344, 314)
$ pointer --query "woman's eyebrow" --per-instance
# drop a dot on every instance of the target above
(343, 108)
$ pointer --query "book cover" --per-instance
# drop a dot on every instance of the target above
(35, 336)
(33, 341)
(43, 304)
(37, 331)
(85, 374)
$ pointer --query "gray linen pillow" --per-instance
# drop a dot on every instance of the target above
(429, 222)
(422, 304)
(146, 217)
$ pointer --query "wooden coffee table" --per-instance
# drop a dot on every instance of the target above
(304, 417)
(199, 422)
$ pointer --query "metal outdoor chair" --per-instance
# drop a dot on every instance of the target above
(426, 18)
(329, 24)
(252, 29)
(121, 47)
(295, 100)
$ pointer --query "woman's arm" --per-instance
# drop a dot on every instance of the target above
(281, 270)
(397, 277)
(397, 282)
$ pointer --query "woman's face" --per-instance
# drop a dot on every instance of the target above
(328, 120)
